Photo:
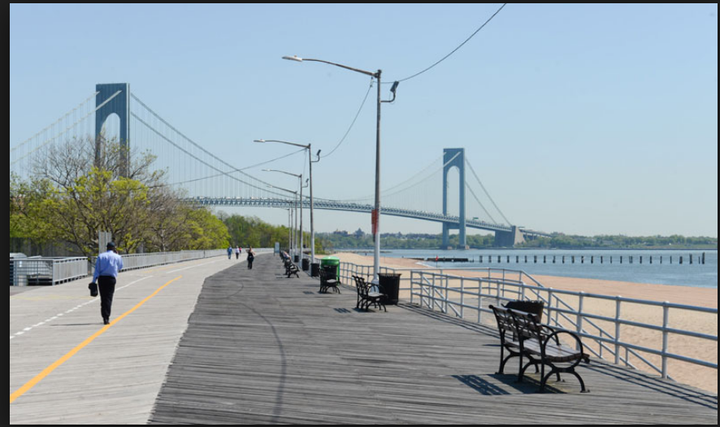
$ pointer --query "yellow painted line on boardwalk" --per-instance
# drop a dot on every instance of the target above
(47, 371)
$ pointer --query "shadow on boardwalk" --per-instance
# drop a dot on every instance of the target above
(264, 348)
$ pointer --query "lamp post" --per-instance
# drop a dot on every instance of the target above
(376, 210)
(312, 208)
(299, 177)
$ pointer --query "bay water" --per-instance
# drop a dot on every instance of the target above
(664, 269)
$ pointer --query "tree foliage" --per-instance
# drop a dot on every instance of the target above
(75, 191)
(254, 232)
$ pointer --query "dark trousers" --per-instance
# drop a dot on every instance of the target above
(106, 285)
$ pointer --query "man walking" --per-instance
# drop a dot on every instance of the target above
(107, 267)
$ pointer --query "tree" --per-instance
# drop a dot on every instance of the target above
(75, 193)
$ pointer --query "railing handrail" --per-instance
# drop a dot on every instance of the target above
(434, 295)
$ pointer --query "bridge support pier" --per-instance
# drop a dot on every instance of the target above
(110, 103)
(454, 157)
(508, 238)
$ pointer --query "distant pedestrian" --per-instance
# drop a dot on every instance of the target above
(230, 251)
(250, 257)
(237, 252)
(107, 267)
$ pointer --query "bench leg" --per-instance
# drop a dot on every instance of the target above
(557, 372)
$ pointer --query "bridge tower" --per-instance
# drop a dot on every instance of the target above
(112, 102)
(454, 157)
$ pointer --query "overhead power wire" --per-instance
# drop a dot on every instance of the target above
(457, 48)
(353, 122)
(408, 78)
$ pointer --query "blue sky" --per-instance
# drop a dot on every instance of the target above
(583, 119)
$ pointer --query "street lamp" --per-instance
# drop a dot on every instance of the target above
(376, 210)
(312, 209)
(299, 177)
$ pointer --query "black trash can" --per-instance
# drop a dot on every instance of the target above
(305, 264)
(315, 269)
(391, 284)
(297, 258)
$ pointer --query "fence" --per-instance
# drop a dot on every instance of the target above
(51, 270)
(135, 261)
(606, 325)
(46, 271)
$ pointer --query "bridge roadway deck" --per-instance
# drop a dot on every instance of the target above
(255, 347)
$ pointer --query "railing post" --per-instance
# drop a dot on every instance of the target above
(479, 300)
(666, 312)
(551, 310)
(462, 297)
(412, 279)
(580, 316)
(445, 303)
(617, 329)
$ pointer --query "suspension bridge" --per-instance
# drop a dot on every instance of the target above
(441, 192)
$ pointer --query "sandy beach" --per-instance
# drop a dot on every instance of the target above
(686, 373)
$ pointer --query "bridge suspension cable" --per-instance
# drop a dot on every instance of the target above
(486, 193)
(225, 173)
(56, 122)
(48, 141)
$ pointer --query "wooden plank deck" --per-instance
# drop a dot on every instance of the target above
(262, 348)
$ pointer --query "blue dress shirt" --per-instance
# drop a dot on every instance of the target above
(107, 264)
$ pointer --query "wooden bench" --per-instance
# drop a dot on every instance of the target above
(367, 294)
(523, 336)
(328, 279)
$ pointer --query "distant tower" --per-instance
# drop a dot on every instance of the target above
(458, 160)
(118, 104)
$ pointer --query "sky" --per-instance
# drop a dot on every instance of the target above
(581, 119)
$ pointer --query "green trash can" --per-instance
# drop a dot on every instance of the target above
(331, 261)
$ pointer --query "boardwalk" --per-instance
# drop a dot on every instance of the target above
(262, 348)
(203, 343)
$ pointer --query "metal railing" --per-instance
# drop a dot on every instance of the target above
(54, 270)
(135, 261)
(46, 271)
(469, 298)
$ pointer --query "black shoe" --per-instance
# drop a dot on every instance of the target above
(106, 320)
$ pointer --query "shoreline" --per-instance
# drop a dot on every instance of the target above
(706, 323)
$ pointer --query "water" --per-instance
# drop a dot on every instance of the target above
(685, 274)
